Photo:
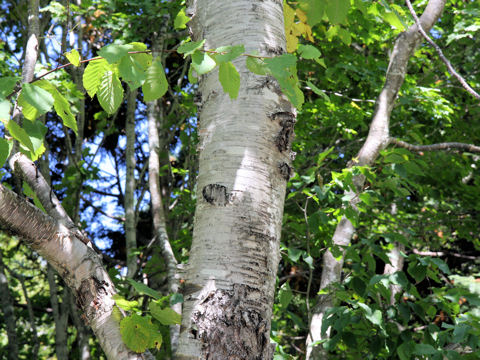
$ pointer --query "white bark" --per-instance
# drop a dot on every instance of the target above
(230, 278)
(65, 248)
(377, 139)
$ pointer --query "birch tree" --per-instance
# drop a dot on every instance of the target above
(244, 162)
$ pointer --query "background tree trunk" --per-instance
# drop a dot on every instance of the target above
(377, 139)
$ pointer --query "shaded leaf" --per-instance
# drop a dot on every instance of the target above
(143, 289)
(166, 316)
(189, 47)
(228, 53)
(39, 98)
(337, 10)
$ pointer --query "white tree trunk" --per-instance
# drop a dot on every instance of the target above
(230, 278)
(377, 139)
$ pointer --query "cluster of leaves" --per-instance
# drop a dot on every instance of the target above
(142, 331)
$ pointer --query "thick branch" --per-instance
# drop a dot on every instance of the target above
(78, 265)
(377, 139)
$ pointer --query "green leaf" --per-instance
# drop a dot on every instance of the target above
(229, 78)
(36, 132)
(317, 91)
(166, 316)
(5, 148)
(308, 51)
(5, 109)
(39, 98)
(393, 20)
(74, 57)
(314, 9)
(285, 295)
(191, 77)
(337, 10)
(114, 52)
(28, 111)
(156, 84)
(202, 63)
(404, 351)
(294, 254)
(417, 271)
(61, 105)
(344, 35)
(181, 19)
(139, 333)
(20, 135)
(132, 72)
(27, 190)
(228, 53)
(93, 74)
(176, 298)
(256, 65)
(283, 68)
(7, 84)
(125, 304)
(189, 47)
(110, 92)
(424, 349)
(143, 289)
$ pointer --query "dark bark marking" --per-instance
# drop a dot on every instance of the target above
(286, 134)
(285, 170)
(215, 194)
(228, 328)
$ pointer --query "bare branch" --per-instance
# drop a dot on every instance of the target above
(435, 147)
(437, 48)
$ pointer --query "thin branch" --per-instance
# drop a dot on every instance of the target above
(435, 147)
(437, 48)
(99, 210)
(443, 253)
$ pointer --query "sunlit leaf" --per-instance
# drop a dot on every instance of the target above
(139, 333)
(156, 84)
(202, 62)
(110, 92)
(181, 19)
(229, 78)
(74, 57)
(39, 98)
(93, 74)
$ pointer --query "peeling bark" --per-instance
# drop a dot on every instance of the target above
(377, 139)
(244, 160)
(66, 250)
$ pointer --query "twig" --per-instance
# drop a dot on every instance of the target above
(434, 147)
(437, 48)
